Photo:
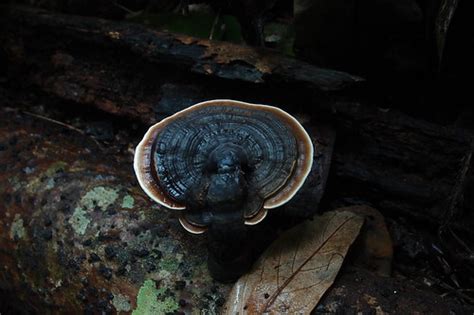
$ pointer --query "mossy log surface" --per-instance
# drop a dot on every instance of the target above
(78, 234)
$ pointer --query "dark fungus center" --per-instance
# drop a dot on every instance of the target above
(226, 197)
(228, 189)
(227, 158)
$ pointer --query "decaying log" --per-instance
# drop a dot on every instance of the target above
(77, 235)
(395, 162)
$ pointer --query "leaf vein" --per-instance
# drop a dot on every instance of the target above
(279, 289)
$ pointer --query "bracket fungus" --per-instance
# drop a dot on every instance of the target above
(223, 164)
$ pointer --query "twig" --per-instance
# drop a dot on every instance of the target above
(123, 7)
(466, 290)
(456, 292)
(446, 12)
(214, 24)
(458, 187)
(57, 122)
(463, 244)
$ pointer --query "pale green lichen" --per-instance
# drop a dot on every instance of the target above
(150, 300)
(79, 221)
(100, 196)
(36, 183)
(50, 184)
(17, 230)
(121, 303)
(128, 202)
(15, 183)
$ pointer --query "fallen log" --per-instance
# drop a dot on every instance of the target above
(77, 235)
(397, 163)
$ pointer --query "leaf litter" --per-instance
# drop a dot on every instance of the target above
(296, 270)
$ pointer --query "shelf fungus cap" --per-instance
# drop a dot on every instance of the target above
(224, 161)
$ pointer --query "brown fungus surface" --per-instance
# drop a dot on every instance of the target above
(210, 148)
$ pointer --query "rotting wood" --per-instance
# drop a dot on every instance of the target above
(72, 208)
(78, 235)
(214, 58)
(395, 162)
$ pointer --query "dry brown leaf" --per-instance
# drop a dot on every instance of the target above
(374, 248)
(294, 272)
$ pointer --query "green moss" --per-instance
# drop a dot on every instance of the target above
(121, 303)
(100, 196)
(17, 230)
(196, 24)
(128, 202)
(285, 34)
(79, 221)
(169, 264)
(55, 167)
(168, 305)
(150, 300)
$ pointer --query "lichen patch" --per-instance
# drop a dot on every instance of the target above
(17, 230)
(151, 300)
(121, 303)
(100, 196)
(79, 221)
(128, 202)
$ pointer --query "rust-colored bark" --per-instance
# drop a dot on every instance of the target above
(77, 233)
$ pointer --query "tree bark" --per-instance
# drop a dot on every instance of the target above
(78, 234)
